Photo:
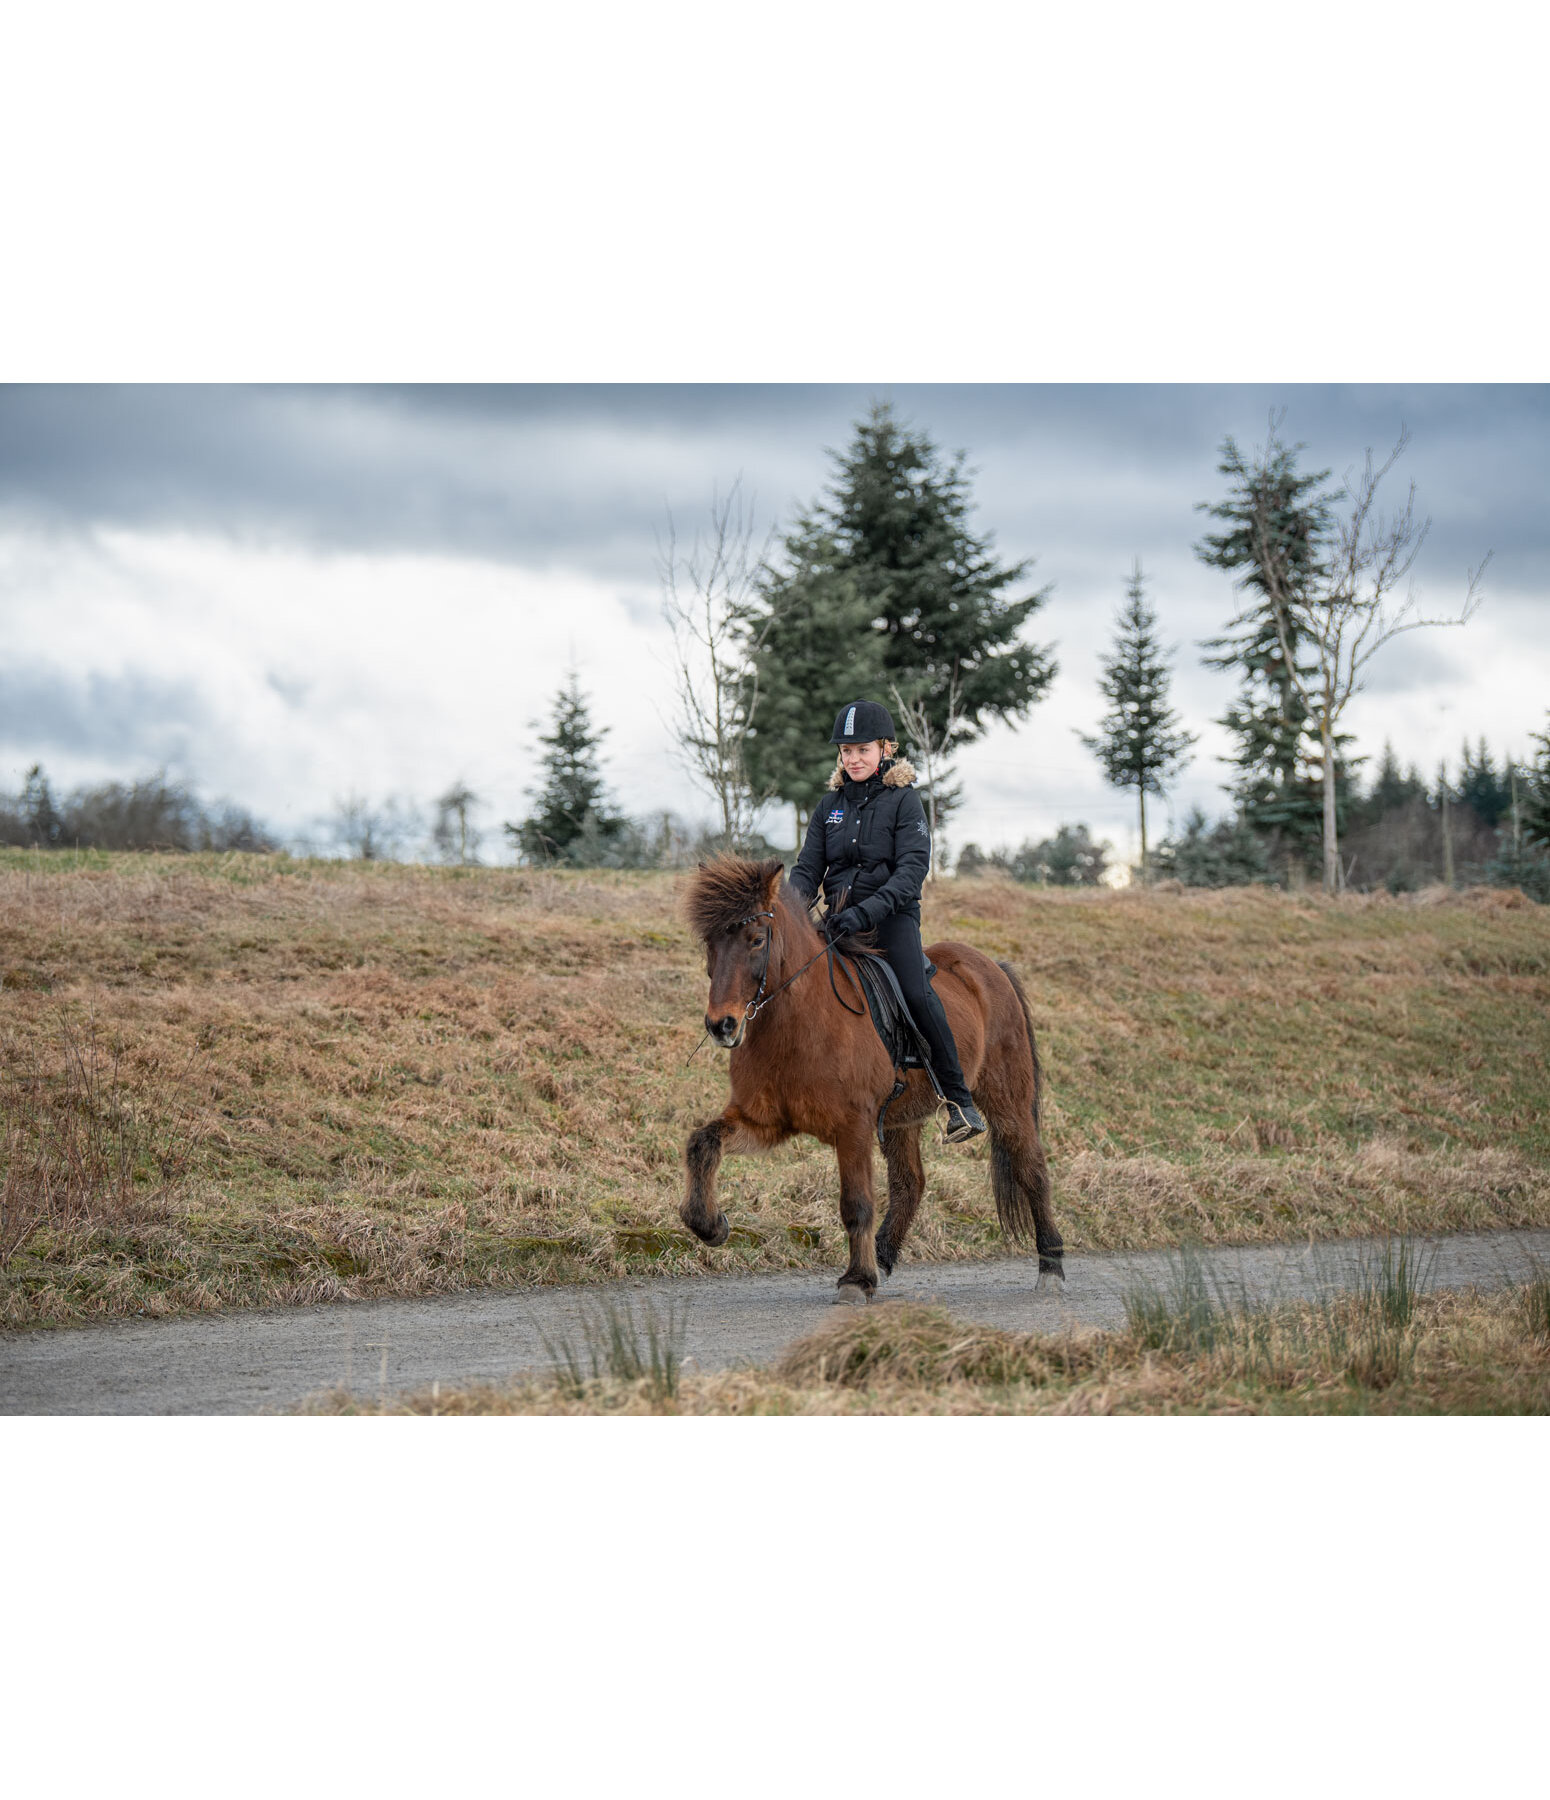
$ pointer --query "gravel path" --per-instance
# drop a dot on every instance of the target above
(248, 1362)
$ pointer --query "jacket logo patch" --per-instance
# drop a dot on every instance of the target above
(837, 817)
(921, 828)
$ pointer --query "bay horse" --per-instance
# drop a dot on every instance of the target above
(804, 1060)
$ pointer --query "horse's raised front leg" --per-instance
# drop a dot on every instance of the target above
(702, 1158)
(854, 1151)
(906, 1184)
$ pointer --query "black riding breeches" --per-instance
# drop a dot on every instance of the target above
(898, 937)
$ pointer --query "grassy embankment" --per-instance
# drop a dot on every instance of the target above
(403, 1081)
(1384, 1349)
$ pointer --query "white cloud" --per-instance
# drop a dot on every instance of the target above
(300, 677)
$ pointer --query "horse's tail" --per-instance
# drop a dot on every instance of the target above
(1019, 1178)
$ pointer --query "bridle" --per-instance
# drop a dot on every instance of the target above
(758, 1001)
(762, 999)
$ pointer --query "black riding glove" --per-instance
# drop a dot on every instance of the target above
(846, 923)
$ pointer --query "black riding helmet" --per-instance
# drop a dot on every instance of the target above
(863, 722)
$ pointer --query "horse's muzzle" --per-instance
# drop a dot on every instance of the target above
(726, 1031)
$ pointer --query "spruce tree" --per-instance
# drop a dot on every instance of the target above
(1279, 788)
(1226, 854)
(1392, 788)
(572, 813)
(1139, 741)
(893, 530)
(1482, 786)
(41, 816)
(1522, 858)
(815, 651)
(1534, 791)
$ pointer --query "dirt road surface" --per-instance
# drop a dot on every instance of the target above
(249, 1362)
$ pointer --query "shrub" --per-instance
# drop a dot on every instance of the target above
(1226, 854)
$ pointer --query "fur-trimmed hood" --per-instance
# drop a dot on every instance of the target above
(899, 773)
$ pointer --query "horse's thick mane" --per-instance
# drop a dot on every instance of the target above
(725, 890)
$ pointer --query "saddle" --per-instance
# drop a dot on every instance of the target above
(901, 1036)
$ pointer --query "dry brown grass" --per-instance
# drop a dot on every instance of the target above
(86, 1141)
(411, 1080)
(1455, 1353)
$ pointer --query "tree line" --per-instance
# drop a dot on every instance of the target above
(882, 586)
(151, 813)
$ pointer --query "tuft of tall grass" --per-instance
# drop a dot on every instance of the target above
(912, 1345)
(1534, 1303)
(1373, 1325)
(1390, 1287)
(1187, 1315)
(1366, 1333)
(620, 1344)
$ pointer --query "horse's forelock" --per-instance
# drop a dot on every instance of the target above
(726, 890)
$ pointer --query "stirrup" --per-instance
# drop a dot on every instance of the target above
(963, 1122)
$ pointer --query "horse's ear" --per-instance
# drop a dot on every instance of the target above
(774, 874)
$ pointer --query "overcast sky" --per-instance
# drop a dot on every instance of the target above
(289, 593)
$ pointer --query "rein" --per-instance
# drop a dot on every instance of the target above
(762, 999)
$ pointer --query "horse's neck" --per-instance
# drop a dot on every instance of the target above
(798, 941)
(792, 1027)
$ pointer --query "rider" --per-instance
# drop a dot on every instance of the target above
(869, 849)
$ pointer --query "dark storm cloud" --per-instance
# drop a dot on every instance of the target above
(131, 718)
(581, 476)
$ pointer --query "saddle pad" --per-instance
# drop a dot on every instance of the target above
(901, 1036)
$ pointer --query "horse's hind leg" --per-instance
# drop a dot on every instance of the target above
(1019, 1178)
(906, 1184)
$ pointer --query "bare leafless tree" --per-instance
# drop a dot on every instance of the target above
(454, 834)
(934, 748)
(371, 832)
(706, 598)
(1350, 609)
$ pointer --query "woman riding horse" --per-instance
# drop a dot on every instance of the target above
(804, 1058)
(869, 850)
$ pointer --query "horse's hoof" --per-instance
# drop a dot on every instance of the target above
(885, 1262)
(1051, 1281)
(851, 1293)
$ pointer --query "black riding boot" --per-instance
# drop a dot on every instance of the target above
(898, 937)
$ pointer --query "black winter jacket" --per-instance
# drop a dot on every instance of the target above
(867, 845)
